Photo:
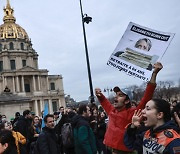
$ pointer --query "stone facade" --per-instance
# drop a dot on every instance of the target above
(29, 86)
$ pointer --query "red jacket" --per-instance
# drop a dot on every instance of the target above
(118, 120)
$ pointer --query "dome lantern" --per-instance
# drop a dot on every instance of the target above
(8, 14)
(11, 30)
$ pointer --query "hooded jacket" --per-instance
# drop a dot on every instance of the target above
(23, 125)
(163, 139)
(84, 139)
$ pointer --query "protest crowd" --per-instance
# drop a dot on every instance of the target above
(149, 126)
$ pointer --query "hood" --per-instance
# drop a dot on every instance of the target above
(168, 125)
(79, 120)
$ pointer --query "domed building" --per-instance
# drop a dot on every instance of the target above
(22, 84)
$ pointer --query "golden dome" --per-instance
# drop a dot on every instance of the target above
(10, 29)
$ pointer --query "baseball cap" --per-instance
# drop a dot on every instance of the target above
(125, 91)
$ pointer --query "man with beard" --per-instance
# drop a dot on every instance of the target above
(121, 112)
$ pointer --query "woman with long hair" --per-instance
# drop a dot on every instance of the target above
(20, 140)
(161, 137)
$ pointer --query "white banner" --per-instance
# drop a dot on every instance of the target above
(138, 49)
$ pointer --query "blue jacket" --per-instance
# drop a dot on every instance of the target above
(150, 140)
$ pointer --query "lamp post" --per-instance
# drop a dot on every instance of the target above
(87, 19)
(108, 90)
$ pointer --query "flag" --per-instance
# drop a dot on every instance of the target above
(46, 110)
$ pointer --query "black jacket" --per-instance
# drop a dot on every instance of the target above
(101, 130)
(47, 142)
(11, 150)
(23, 125)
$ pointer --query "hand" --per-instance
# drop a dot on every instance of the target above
(136, 119)
(157, 67)
(93, 121)
(98, 92)
(36, 135)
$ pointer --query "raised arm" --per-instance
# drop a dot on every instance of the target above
(103, 100)
(148, 94)
(157, 67)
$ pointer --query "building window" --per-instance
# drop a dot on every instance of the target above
(1, 66)
(23, 63)
(27, 87)
(22, 46)
(13, 64)
(11, 46)
(52, 85)
(0, 47)
(54, 106)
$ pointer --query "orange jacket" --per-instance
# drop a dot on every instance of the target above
(19, 138)
(160, 142)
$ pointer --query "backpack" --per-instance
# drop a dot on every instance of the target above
(67, 135)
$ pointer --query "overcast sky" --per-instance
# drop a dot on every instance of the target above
(55, 29)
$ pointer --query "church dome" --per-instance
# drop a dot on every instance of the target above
(11, 30)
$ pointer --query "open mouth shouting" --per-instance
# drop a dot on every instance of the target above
(144, 119)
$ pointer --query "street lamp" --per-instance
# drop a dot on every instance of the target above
(87, 19)
(108, 90)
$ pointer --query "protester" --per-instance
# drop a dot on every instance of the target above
(84, 139)
(63, 117)
(1, 126)
(173, 104)
(101, 129)
(47, 141)
(20, 140)
(33, 114)
(7, 143)
(57, 117)
(61, 109)
(36, 125)
(17, 115)
(176, 114)
(34, 132)
(93, 120)
(161, 137)
(23, 125)
(3, 118)
(120, 114)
